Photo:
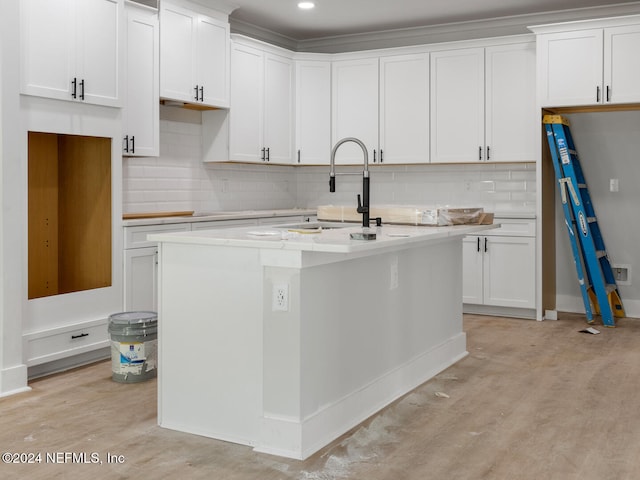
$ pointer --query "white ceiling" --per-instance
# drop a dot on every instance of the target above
(341, 17)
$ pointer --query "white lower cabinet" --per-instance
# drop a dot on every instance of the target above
(141, 255)
(499, 267)
(141, 265)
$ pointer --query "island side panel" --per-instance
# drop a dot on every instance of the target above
(210, 341)
(365, 337)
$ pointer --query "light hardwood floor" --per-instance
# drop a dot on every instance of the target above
(532, 400)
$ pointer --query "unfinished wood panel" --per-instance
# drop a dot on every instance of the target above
(43, 215)
(84, 213)
(548, 234)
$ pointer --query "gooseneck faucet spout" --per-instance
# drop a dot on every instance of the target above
(363, 207)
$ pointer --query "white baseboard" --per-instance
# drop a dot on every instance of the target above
(13, 380)
(288, 437)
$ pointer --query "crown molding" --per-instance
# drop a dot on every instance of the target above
(496, 27)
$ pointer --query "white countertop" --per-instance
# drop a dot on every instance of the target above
(213, 216)
(335, 240)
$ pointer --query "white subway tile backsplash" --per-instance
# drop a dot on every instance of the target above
(179, 180)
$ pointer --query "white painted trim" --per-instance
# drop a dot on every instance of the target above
(12, 380)
(290, 438)
(502, 26)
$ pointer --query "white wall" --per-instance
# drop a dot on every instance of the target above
(608, 145)
(13, 372)
(179, 180)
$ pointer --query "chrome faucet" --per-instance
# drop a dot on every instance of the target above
(363, 207)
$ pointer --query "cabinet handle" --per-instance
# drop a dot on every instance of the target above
(82, 89)
(263, 157)
(598, 94)
(126, 143)
(196, 89)
(268, 155)
(133, 144)
(82, 335)
(201, 93)
(298, 156)
(608, 94)
(478, 244)
(374, 156)
(480, 153)
(381, 156)
(74, 87)
(485, 244)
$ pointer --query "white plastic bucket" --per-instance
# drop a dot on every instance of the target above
(134, 346)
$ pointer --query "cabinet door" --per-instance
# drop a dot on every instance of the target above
(509, 272)
(141, 279)
(246, 114)
(570, 68)
(212, 61)
(313, 112)
(622, 64)
(510, 120)
(141, 107)
(47, 29)
(278, 108)
(472, 257)
(98, 58)
(177, 51)
(404, 109)
(457, 106)
(355, 108)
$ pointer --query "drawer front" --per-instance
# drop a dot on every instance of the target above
(513, 227)
(245, 222)
(53, 345)
(136, 237)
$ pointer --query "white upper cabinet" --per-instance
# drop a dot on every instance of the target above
(261, 115)
(584, 65)
(355, 108)
(313, 112)
(404, 109)
(457, 105)
(140, 115)
(483, 104)
(70, 49)
(510, 103)
(194, 65)
(385, 103)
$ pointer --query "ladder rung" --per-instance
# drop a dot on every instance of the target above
(572, 152)
(592, 219)
(582, 185)
(601, 253)
(610, 288)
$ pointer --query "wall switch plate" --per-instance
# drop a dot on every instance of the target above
(614, 185)
(280, 297)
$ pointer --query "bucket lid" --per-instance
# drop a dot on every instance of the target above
(133, 318)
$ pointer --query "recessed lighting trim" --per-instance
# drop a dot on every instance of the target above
(306, 5)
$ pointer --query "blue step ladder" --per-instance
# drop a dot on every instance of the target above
(599, 290)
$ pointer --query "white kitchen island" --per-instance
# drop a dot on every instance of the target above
(284, 341)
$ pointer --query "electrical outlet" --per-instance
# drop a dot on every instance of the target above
(280, 297)
(622, 274)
